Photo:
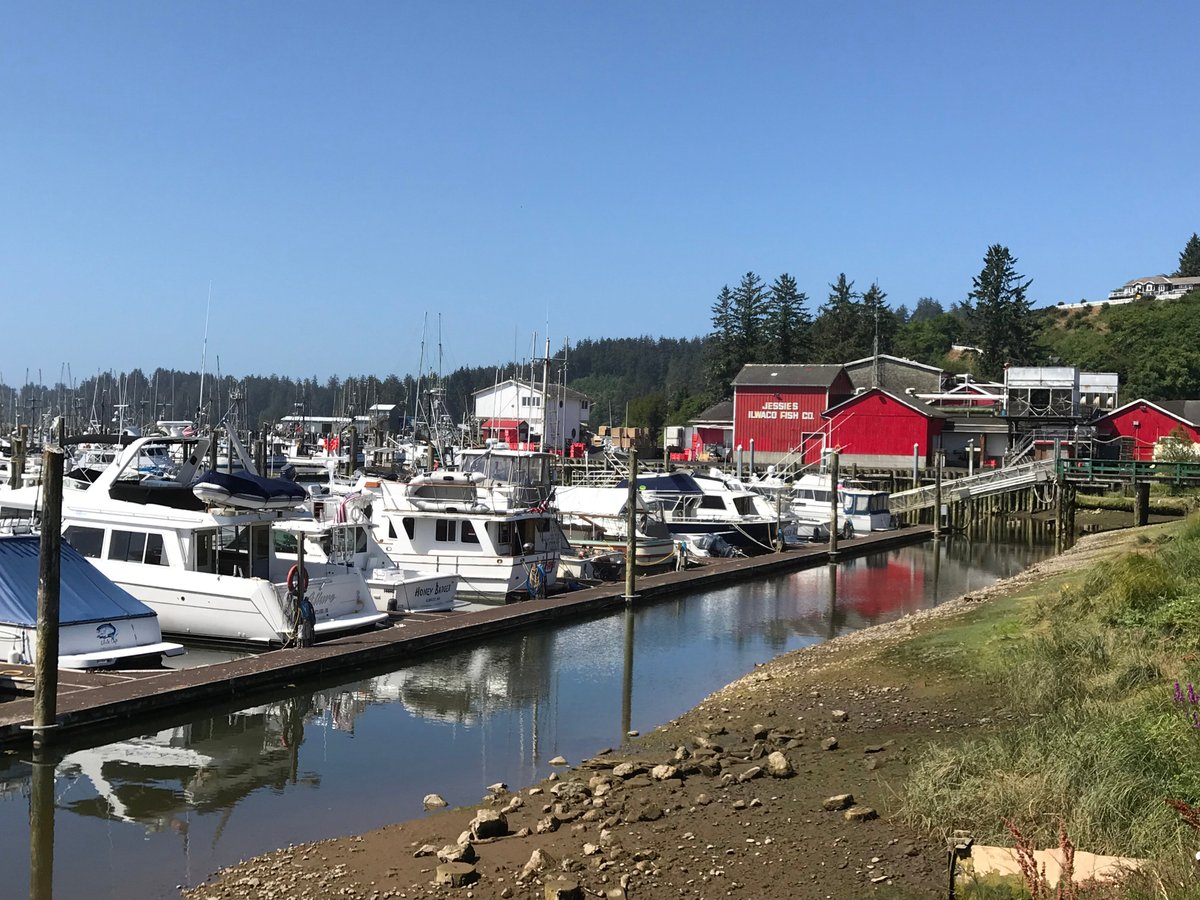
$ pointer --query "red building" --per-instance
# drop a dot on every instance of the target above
(880, 430)
(1139, 426)
(779, 408)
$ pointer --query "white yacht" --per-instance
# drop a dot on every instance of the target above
(341, 537)
(702, 504)
(209, 566)
(489, 523)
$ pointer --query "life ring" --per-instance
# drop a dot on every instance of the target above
(295, 577)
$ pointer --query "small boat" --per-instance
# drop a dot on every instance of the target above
(100, 624)
(245, 490)
(865, 509)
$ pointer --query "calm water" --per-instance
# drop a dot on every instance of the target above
(138, 817)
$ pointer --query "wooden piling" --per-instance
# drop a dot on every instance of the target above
(45, 676)
(833, 504)
(631, 530)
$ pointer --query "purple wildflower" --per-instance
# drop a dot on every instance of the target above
(1178, 693)
(1192, 699)
(1195, 719)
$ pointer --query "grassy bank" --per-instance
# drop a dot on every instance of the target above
(1085, 666)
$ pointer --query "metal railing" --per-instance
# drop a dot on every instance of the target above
(997, 481)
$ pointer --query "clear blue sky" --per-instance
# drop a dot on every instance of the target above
(336, 171)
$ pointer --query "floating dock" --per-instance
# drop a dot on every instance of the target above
(90, 703)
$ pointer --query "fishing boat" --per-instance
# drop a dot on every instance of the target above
(340, 537)
(207, 565)
(101, 626)
(490, 522)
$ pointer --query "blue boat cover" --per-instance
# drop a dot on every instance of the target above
(674, 483)
(85, 594)
(270, 491)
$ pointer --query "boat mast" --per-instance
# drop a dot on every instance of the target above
(204, 358)
(545, 386)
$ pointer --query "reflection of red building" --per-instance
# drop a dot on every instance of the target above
(876, 428)
(874, 591)
(1141, 424)
(779, 408)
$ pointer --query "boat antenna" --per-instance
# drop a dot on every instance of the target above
(204, 356)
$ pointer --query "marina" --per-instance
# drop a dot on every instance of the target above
(138, 809)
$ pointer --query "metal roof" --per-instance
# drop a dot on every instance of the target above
(789, 375)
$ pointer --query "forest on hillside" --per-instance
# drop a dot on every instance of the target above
(1153, 345)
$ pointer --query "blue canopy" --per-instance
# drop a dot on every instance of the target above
(674, 483)
(85, 594)
(249, 490)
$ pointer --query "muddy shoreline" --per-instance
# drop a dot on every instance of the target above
(730, 799)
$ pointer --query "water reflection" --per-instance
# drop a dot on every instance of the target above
(137, 817)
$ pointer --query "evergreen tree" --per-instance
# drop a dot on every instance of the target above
(1001, 315)
(1189, 259)
(836, 331)
(876, 321)
(749, 313)
(722, 345)
(926, 308)
(788, 323)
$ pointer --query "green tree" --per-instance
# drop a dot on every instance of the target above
(926, 308)
(750, 316)
(788, 323)
(836, 329)
(927, 340)
(722, 344)
(1189, 259)
(1001, 314)
(877, 322)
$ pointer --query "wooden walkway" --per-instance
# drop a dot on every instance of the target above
(131, 702)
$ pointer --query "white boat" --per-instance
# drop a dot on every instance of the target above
(864, 509)
(100, 625)
(594, 522)
(341, 537)
(489, 523)
(700, 504)
(210, 572)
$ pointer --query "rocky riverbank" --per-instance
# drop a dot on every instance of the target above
(778, 786)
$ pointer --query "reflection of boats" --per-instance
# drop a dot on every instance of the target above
(157, 780)
(209, 572)
(100, 624)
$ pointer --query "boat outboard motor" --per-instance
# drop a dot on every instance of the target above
(288, 472)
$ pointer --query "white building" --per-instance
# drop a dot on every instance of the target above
(512, 402)
(1159, 287)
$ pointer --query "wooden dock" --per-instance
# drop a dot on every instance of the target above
(128, 703)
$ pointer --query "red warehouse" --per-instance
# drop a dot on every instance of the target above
(879, 430)
(779, 408)
(1140, 424)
